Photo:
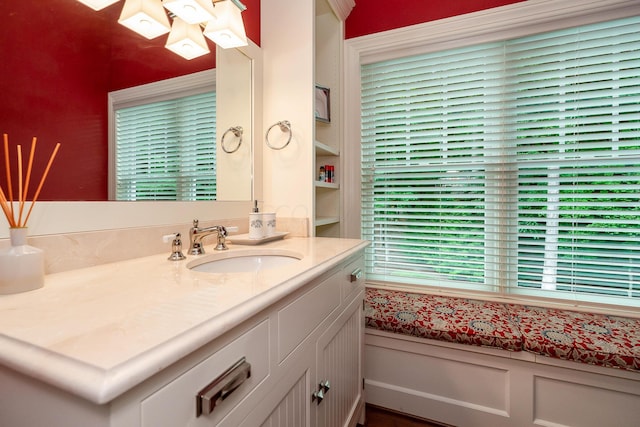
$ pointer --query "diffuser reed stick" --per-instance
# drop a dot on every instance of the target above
(20, 201)
(26, 184)
(5, 208)
(23, 184)
(8, 168)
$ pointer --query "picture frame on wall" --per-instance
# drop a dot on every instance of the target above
(323, 104)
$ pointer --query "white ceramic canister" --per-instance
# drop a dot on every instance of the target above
(269, 222)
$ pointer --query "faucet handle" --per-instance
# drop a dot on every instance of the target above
(176, 246)
(222, 234)
(195, 223)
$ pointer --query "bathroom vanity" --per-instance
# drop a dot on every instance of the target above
(150, 342)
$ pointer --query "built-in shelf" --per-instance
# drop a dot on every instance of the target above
(333, 185)
(325, 150)
(320, 221)
(328, 138)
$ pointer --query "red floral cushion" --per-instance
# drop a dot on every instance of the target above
(597, 339)
(457, 320)
(583, 337)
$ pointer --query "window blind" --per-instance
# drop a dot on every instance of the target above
(166, 150)
(509, 167)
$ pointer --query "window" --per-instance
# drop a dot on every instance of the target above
(164, 141)
(510, 167)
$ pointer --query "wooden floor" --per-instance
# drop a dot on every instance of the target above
(379, 417)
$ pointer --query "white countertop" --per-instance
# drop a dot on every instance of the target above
(99, 331)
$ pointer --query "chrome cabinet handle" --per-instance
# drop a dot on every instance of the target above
(323, 388)
(355, 275)
(219, 389)
(318, 395)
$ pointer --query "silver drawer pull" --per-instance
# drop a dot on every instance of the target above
(356, 275)
(219, 389)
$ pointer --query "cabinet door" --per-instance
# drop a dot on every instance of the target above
(338, 369)
(293, 409)
(286, 405)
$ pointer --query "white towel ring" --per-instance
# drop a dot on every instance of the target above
(285, 126)
(237, 132)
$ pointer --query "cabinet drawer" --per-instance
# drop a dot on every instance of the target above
(353, 277)
(175, 404)
(298, 319)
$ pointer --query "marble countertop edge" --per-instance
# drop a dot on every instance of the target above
(53, 368)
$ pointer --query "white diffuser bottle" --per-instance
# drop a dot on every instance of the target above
(21, 265)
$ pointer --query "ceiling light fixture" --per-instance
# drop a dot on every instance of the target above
(227, 30)
(145, 17)
(98, 4)
(221, 20)
(186, 39)
(191, 11)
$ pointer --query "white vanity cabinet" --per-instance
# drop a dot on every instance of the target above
(305, 354)
(298, 362)
(321, 378)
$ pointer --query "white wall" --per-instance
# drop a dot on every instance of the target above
(287, 46)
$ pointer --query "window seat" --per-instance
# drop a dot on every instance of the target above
(473, 363)
(595, 339)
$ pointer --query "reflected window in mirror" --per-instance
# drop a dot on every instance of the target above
(163, 140)
(166, 150)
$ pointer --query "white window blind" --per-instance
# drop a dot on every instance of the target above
(167, 150)
(510, 167)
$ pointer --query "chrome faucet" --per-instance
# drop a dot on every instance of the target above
(196, 234)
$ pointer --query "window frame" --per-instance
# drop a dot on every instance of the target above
(163, 90)
(516, 20)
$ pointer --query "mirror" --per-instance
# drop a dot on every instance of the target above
(234, 97)
(61, 59)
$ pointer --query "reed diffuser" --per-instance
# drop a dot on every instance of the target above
(21, 265)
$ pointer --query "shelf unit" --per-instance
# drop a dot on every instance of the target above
(328, 137)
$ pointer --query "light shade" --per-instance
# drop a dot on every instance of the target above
(97, 4)
(227, 30)
(146, 17)
(191, 11)
(186, 39)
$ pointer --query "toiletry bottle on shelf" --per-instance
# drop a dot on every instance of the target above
(256, 230)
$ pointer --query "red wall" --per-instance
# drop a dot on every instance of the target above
(374, 16)
(59, 61)
(53, 87)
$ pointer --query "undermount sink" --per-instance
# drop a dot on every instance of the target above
(244, 261)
